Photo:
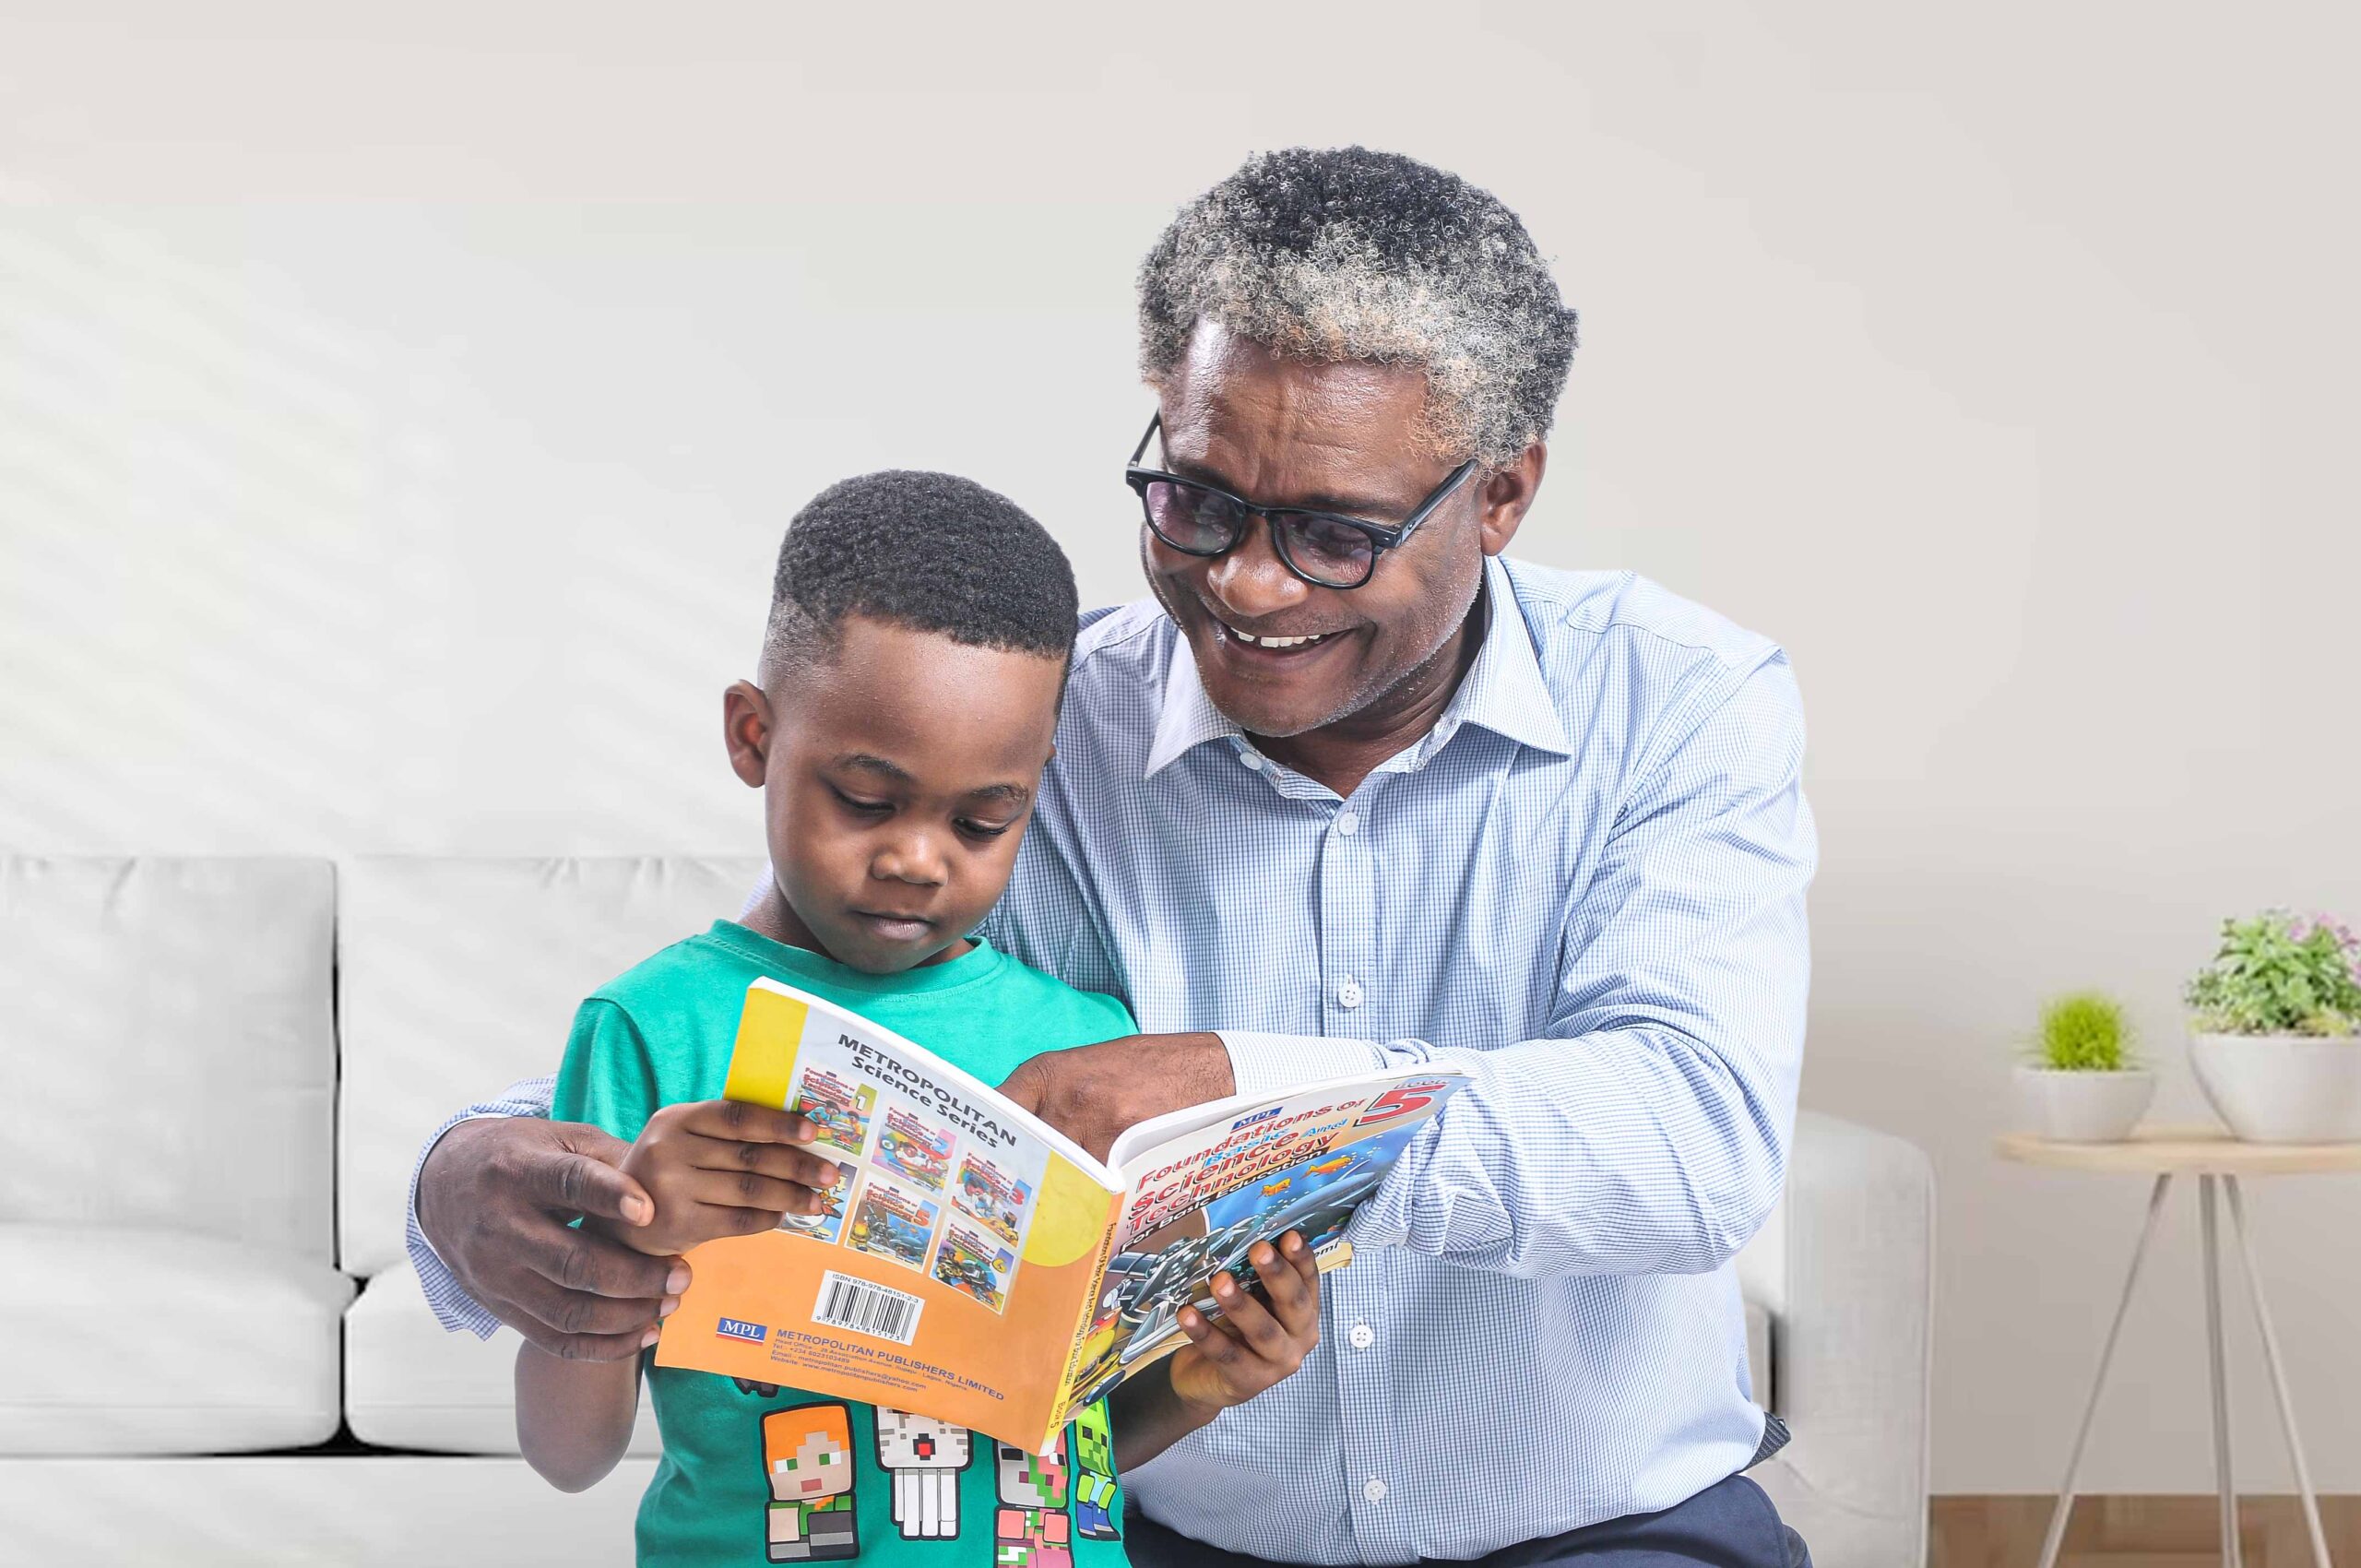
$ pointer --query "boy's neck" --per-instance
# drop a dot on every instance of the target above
(776, 918)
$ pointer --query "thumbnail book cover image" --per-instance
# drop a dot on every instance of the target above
(893, 1221)
(838, 1110)
(973, 1265)
(828, 1224)
(987, 1193)
(971, 1261)
(915, 1148)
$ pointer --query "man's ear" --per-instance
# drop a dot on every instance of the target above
(1506, 494)
(746, 730)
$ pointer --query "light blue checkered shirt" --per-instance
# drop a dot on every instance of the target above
(1585, 886)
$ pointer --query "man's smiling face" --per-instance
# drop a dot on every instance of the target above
(1348, 438)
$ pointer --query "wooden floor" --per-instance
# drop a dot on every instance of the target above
(2136, 1532)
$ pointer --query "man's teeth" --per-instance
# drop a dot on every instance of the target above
(1273, 642)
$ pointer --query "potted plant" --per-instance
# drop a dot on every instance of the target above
(2273, 1024)
(2082, 1085)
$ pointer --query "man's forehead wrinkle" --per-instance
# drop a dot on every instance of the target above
(1299, 434)
(1313, 464)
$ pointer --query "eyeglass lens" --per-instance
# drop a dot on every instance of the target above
(1206, 522)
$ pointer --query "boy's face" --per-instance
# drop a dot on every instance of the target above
(897, 778)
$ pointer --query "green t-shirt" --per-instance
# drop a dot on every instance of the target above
(753, 1473)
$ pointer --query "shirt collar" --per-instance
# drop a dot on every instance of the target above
(1503, 692)
(1190, 717)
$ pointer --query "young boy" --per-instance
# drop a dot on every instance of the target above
(916, 655)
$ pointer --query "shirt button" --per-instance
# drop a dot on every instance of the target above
(1348, 995)
(1374, 1489)
(1363, 1337)
(1347, 823)
(1249, 759)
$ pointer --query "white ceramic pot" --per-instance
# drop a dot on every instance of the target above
(2281, 1089)
(2082, 1108)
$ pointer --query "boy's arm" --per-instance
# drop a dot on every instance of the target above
(573, 1419)
(1148, 1418)
(1229, 1359)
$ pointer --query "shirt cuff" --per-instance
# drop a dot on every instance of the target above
(452, 1306)
(1261, 1063)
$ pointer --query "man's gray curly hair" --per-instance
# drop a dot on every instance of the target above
(1349, 255)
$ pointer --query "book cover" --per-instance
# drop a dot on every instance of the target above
(972, 1264)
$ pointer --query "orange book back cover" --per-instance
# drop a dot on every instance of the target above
(950, 1273)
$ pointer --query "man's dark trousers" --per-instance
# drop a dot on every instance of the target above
(1730, 1524)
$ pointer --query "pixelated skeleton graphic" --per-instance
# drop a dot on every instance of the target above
(924, 1457)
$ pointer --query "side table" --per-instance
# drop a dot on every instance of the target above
(2215, 1159)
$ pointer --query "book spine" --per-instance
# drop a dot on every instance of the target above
(1081, 1341)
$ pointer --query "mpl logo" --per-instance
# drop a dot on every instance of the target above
(738, 1329)
(1258, 1116)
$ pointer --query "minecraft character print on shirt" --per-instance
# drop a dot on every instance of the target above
(924, 1457)
(1030, 1528)
(1094, 1474)
(807, 1450)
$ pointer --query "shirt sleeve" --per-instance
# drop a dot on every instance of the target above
(1647, 1130)
(453, 1307)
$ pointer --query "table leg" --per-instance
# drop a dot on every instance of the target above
(2060, 1515)
(2278, 1373)
(2216, 1360)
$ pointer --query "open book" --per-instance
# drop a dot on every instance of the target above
(975, 1265)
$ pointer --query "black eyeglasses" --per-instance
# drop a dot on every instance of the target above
(1326, 548)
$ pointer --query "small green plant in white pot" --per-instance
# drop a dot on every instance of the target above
(2275, 1028)
(2083, 1085)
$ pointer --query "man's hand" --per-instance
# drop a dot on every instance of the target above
(494, 1200)
(1091, 1092)
(720, 1168)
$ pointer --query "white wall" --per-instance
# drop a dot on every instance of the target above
(398, 413)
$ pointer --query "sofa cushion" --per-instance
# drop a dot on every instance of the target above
(410, 1384)
(460, 976)
(317, 1511)
(179, 1008)
(158, 1342)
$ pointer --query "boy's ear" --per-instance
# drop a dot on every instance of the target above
(746, 730)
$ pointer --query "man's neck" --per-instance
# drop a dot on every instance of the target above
(1341, 755)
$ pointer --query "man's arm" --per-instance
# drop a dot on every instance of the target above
(1647, 1131)
(489, 1204)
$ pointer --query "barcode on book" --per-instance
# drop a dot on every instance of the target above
(875, 1309)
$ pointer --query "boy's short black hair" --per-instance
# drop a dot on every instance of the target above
(931, 552)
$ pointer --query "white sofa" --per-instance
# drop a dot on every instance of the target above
(213, 1349)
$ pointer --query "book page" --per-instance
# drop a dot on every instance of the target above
(1204, 1185)
(955, 1253)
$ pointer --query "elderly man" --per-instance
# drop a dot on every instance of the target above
(1355, 789)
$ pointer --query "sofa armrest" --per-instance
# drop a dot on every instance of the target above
(1851, 1345)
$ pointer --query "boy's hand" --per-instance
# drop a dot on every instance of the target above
(721, 1168)
(1250, 1346)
